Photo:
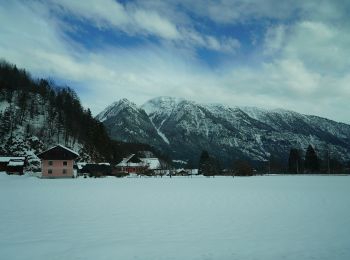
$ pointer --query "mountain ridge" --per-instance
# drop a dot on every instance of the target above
(183, 128)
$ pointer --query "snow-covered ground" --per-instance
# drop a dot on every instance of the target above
(267, 217)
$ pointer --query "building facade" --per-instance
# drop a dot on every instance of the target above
(57, 162)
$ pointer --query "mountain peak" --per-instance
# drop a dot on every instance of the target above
(125, 101)
(115, 108)
(164, 103)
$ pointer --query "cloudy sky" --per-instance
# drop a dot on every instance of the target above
(273, 54)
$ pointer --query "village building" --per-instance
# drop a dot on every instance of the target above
(15, 167)
(131, 164)
(134, 164)
(79, 166)
(57, 162)
(96, 169)
(12, 165)
(152, 163)
(181, 172)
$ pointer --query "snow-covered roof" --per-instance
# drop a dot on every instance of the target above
(125, 160)
(104, 163)
(9, 158)
(62, 146)
(16, 163)
(80, 165)
(152, 163)
(140, 164)
(127, 164)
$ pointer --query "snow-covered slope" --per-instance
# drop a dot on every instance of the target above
(126, 122)
(269, 218)
(30, 132)
(185, 128)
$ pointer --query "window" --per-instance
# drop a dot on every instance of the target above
(64, 171)
(50, 163)
(65, 163)
(49, 171)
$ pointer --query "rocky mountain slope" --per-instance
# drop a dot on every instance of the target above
(126, 122)
(184, 128)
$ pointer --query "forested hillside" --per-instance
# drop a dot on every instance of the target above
(36, 113)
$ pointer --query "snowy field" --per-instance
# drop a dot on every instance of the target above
(269, 217)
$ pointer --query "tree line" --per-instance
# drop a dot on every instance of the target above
(210, 166)
(312, 162)
(299, 162)
(66, 120)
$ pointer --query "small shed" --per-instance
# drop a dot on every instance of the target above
(12, 164)
(15, 166)
(57, 162)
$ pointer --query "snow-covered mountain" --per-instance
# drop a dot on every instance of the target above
(184, 128)
(126, 122)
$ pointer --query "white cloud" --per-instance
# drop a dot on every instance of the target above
(103, 12)
(152, 22)
(275, 37)
(321, 46)
(226, 44)
(296, 78)
(137, 20)
(110, 13)
(307, 69)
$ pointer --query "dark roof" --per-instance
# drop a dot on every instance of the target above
(97, 168)
(58, 152)
(134, 159)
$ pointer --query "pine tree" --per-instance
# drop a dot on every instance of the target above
(312, 163)
(22, 103)
(294, 161)
(207, 165)
(189, 165)
(6, 125)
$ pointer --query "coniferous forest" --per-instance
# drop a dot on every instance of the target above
(38, 113)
